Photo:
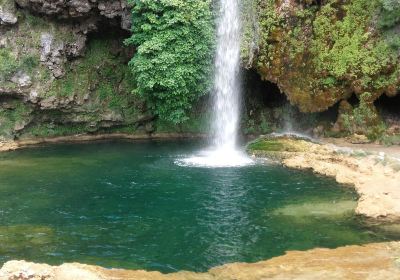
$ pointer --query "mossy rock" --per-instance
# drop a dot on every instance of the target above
(322, 54)
(278, 148)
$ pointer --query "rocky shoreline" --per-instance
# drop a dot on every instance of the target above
(373, 261)
(374, 175)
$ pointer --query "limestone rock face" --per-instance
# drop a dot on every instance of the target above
(81, 9)
(58, 78)
(7, 17)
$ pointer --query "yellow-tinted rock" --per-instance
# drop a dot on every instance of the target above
(379, 261)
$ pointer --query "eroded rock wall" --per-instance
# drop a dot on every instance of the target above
(63, 69)
(321, 53)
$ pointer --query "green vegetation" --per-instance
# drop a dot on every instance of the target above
(48, 130)
(390, 139)
(174, 41)
(364, 119)
(101, 73)
(322, 54)
(264, 144)
(8, 64)
(346, 50)
(340, 49)
(197, 122)
(17, 113)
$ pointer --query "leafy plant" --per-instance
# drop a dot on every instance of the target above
(8, 64)
(364, 119)
(174, 42)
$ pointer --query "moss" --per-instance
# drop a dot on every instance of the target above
(250, 35)
(16, 113)
(102, 74)
(129, 129)
(50, 130)
(364, 119)
(346, 50)
(321, 55)
(278, 147)
(8, 64)
(269, 145)
(390, 140)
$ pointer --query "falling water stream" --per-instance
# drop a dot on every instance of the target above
(227, 94)
(227, 78)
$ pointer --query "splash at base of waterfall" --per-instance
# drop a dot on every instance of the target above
(214, 158)
(226, 95)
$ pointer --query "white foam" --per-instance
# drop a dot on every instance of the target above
(216, 158)
(226, 95)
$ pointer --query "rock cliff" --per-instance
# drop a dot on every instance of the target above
(63, 69)
(324, 53)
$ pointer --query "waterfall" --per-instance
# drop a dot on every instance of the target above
(227, 79)
(226, 95)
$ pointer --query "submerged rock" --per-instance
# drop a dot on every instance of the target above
(318, 209)
(375, 177)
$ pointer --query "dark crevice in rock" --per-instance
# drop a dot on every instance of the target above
(109, 31)
(389, 104)
(267, 109)
(388, 108)
(261, 93)
(353, 100)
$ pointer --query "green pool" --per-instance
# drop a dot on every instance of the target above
(127, 204)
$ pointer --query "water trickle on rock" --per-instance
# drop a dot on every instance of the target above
(227, 94)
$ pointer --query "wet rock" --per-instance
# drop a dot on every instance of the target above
(49, 103)
(45, 7)
(20, 125)
(7, 18)
(77, 48)
(149, 127)
(394, 129)
(21, 79)
(52, 54)
(112, 116)
(3, 42)
(33, 96)
(358, 139)
(318, 131)
(84, 9)
(109, 9)
(79, 7)
(54, 44)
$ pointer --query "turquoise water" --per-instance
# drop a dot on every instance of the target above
(123, 204)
